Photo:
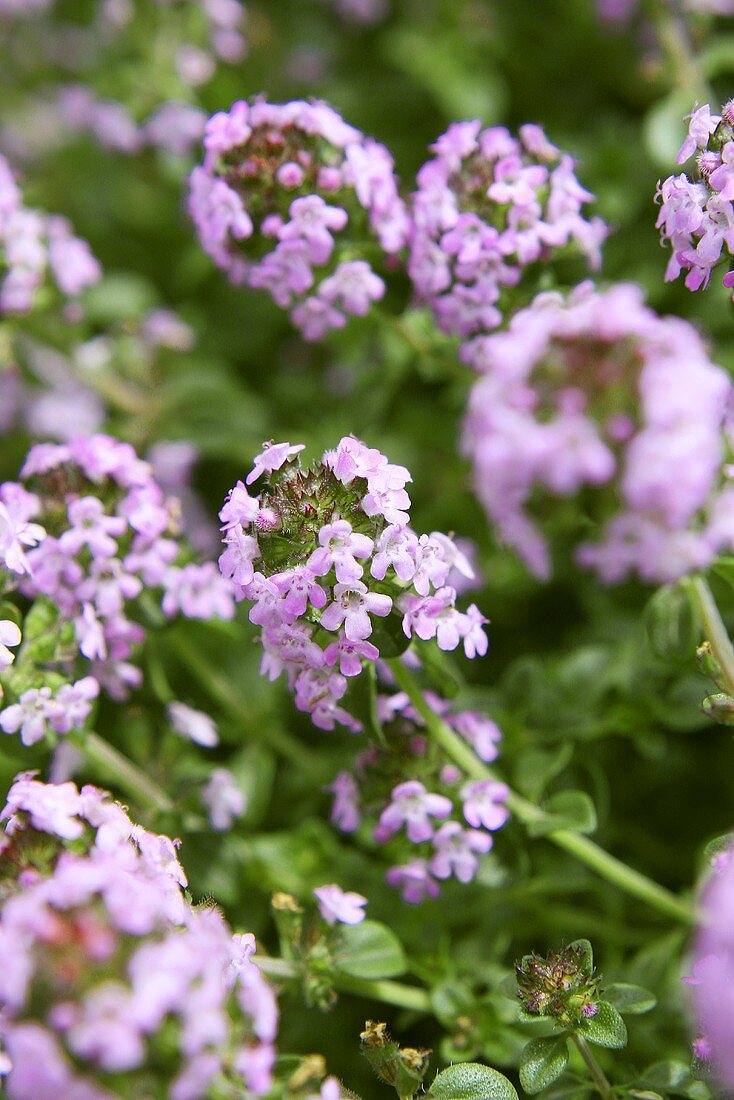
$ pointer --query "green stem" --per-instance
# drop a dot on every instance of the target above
(598, 1076)
(715, 631)
(389, 992)
(126, 775)
(585, 850)
(220, 689)
(675, 42)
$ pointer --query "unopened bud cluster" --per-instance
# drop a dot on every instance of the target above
(437, 821)
(561, 985)
(489, 205)
(115, 976)
(324, 552)
(287, 200)
(696, 214)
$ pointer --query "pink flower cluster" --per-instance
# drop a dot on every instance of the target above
(712, 973)
(41, 709)
(438, 820)
(593, 390)
(33, 243)
(282, 198)
(697, 215)
(217, 28)
(108, 531)
(488, 205)
(176, 127)
(104, 960)
(322, 553)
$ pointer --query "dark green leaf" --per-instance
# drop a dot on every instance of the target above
(542, 1062)
(369, 950)
(571, 810)
(587, 952)
(471, 1081)
(388, 635)
(632, 999)
(606, 1029)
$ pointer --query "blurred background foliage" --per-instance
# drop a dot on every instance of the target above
(595, 689)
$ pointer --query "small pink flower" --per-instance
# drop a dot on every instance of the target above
(337, 905)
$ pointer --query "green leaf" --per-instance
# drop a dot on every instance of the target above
(388, 635)
(536, 767)
(632, 999)
(41, 617)
(587, 955)
(361, 702)
(671, 627)
(571, 810)
(665, 1075)
(471, 1081)
(606, 1029)
(664, 128)
(542, 1062)
(369, 950)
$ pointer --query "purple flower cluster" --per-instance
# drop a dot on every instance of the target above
(41, 709)
(595, 389)
(324, 552)
(217, 27)
(487, 206)
(438, 820)
(32, 243)
(712, 974)
(176, 127)
(282, 198)
(108, 531)
(697, 215)
(104, 962)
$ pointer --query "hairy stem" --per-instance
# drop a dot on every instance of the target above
(598, 1076)
(389, 992)
(715, 631)
(585, 850)
(126, 775)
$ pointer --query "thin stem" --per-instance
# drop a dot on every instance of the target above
(675, 41)
(598, 1076)
(585, 850)
(221, 691)
(715, 631)
(389, 992)
(127, 775)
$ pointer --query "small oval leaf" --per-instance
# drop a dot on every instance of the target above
(369, 950)
(632, 999)
(606, 1029)
(472, 1081)
(542, 1062)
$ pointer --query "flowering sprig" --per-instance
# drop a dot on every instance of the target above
(323, 554)
(106, 532)
(437, 821)
(488, 206)
(595, 389)
(105, 942)
(288, 199)
(696, 216)
(33, 243)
